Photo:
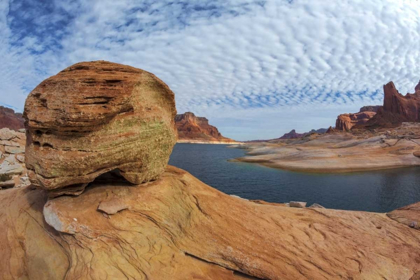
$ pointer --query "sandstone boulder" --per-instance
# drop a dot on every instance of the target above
(96, 117)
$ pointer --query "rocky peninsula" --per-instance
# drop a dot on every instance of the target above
(378, 137)
(90, 213)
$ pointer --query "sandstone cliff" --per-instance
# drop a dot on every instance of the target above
(10, 119)
(197, 129)
(346, 122)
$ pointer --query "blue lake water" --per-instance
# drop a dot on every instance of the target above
(376, 191)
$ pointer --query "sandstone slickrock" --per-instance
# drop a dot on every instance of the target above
(397, 108)
(12, 168)
(95, 117)
(10, 119)
(197, 129)
(179, 228)
(408, 215)
(346, 122)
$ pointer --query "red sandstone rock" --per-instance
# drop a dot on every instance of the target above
(346, 122)
(192, 128)
(417, 88)
(397, 108)
(10, 119)
(95, 117)
(331, 130)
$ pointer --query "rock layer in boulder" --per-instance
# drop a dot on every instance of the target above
(95, 117)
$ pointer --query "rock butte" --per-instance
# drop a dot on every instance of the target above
(10, 119)
(397, 108)
(179, 228)
(95, 117)
(192, 129)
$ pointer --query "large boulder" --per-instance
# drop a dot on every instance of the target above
(96, 117)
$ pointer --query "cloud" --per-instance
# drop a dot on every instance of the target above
(280, 62)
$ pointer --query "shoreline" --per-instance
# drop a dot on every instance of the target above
(340, 152)
(316, 170)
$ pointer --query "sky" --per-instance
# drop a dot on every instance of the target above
(256, 69)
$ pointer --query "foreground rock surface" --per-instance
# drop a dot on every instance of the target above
(12, 159)
(193, 129)
(10, 119)
(94, 117)
(180, 228)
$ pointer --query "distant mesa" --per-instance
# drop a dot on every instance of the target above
(10, 119)
(294, 135)
(193, 129)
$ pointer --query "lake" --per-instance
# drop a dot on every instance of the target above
(376, 191)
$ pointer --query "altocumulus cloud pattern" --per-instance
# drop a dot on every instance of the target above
(255, 68)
